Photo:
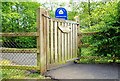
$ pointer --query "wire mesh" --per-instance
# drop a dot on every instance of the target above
(18, 50)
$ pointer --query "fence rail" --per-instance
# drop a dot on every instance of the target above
(88, 33)
(16, 50)
(20, 67)
(19, 34)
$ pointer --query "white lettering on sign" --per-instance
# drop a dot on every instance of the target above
(61, 12)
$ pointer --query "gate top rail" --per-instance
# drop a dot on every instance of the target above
(60, 20)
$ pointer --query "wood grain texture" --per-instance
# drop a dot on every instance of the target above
(28, 34)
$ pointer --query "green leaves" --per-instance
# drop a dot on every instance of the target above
(105, 18)
(19, 17)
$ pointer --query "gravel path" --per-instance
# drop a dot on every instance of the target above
(20, 58)
(85, 71)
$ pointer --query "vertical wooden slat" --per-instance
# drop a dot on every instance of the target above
(68, 41)
(48, 49)
(55, 32)
(59, 43)
(63, 49)
(71, 42)
(76, 40)
(65, 43)
(51, 47)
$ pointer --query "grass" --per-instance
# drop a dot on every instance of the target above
(16, 73)
(19, 74)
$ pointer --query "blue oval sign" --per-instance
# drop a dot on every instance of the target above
(61, 13)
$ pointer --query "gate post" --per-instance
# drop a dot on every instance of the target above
(41, 40)
(79, 36)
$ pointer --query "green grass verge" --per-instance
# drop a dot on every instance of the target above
(17, 73)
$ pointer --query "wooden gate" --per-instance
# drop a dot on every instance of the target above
(57, 40)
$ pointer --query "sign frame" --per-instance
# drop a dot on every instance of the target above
(61, 13)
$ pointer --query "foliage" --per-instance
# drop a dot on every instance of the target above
(106, 20)
(19, 17)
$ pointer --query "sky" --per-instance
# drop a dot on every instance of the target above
(66, 1)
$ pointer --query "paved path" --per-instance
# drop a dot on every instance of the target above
(85, 71)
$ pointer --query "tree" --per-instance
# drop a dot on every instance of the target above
(19, 17)
(106, 20)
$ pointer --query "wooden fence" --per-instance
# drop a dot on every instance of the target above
(56, 42)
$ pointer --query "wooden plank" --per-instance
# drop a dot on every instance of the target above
(15, 50)
(48, 41)
(76, 29)
(18, 34)
(51, 41)
(68, 43)
(59, 44)
(71, 41)
(38, 38)
(73, 38)
(65, 43)
(20, 67)
(56, 47)
(63, 48)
